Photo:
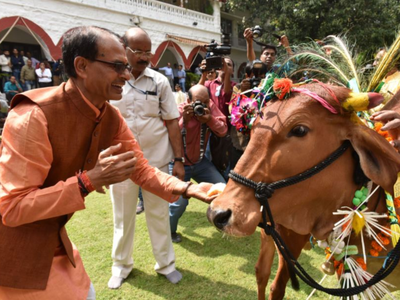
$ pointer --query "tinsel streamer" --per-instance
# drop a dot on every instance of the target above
(394, 224)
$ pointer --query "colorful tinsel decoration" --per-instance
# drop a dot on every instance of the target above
(246, 108)
(244, 112)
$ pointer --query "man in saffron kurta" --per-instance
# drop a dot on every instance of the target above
(52, 134)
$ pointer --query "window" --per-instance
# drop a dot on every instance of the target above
(226, 26)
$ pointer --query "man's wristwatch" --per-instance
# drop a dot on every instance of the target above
(181, 159)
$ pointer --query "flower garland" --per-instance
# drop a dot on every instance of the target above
(246, 108)
(244, 112)
(378, 128)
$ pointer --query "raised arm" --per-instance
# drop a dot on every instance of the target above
(248, 35)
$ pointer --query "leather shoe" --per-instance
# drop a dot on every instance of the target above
(176, 237)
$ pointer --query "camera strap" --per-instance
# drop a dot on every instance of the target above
(203, 132)
(260, 43)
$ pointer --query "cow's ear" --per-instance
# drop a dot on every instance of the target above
(379, 160)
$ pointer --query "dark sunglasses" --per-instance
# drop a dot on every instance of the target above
(117, 66)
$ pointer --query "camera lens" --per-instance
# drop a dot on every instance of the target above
(198, 110)
(256, 31)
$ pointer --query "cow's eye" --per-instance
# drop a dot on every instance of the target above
(298, 131)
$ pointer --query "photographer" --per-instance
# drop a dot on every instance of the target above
(255, 72)
(268, 52)
(221, 92)
(198, 116)
(221, 87)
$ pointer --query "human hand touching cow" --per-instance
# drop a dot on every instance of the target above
(391, 121)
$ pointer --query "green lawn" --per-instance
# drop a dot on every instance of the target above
(213, 266)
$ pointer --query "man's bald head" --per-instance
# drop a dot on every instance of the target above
(199, 92)
(134, 35)
(138, 49)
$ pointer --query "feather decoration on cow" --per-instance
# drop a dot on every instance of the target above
(385, 65)
(339, 45)
(333, 62)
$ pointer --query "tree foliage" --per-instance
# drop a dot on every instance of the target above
(369, 23)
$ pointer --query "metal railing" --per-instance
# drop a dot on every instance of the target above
(152, 9)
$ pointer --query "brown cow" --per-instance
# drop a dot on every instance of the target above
(293, 136)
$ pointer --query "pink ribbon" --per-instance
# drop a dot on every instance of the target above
(316, 97)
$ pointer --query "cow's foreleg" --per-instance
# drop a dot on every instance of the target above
(264, 264)
(295, 243)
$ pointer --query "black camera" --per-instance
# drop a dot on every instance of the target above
(256, 70)
(215, 52)
(198, 108)
(257, 31)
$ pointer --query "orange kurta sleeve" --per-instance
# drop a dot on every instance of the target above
(151, 179)
(26, 157)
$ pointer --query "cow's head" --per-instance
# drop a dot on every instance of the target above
(293, 136)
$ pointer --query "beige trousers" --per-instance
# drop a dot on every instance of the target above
(124, 197)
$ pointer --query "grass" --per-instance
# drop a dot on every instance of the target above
(213, 266)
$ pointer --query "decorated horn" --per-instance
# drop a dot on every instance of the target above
(362, 101)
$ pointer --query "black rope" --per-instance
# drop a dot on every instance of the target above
(390, 264)
(264, 191)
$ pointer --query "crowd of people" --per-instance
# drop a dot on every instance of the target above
(26, 72)
(140, 133)
(176, 76)
(22, 72)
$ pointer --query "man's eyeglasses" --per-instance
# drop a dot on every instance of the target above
(117, 66)
(140, 53)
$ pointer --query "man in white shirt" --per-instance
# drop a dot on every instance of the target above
(5, 65)
(169, 73)
(182, 78)
(147, 103)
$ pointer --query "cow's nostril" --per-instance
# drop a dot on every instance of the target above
(221, 218)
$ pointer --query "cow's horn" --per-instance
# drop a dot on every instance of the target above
(362, 101)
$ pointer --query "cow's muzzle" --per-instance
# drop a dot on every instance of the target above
(220, 218)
